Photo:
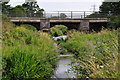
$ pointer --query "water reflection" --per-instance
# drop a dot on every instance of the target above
(63, 68)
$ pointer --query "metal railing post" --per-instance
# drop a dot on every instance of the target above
(81, 16)
(44, 14)
(58, 15)
(71, 14)
(15, 14)
(84, 14)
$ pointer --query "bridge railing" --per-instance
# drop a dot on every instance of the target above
(60, 14)
(67, 14)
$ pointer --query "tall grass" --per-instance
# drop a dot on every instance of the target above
(27, 54)
(96, 54)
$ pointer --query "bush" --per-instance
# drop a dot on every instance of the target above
(58, 30)
(115, 22)
(26, 65)
(95, 54)
(27, 26)
(6, 24)
(5, 18)
(28, 54)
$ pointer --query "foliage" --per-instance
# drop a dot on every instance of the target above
(17, 11)
(55, 32)
(5, 7)
(58, 30)
(95, 54)
(6, 24)
(63, 15)
(27, 54)
(27, 9)
(27, 26)
(115, 22)
(5, 18)
(98, 15)
(32, 8)
(110, 7)
(107, 9)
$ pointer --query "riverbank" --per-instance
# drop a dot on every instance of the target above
(95, 54)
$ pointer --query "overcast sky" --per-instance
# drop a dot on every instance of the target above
(64, 5)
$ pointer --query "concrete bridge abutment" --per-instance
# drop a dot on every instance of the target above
(84, 26)
(44, 23)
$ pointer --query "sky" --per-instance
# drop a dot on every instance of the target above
(64, 5)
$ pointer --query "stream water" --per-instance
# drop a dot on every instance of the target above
(63, 68)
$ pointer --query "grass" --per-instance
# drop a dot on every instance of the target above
(95, 54)
(27, 53)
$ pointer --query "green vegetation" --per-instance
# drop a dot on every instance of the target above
(62, 15)
(96, 54)
(27, 26)
(33, 9)
(58, 30)
(27, 9)
(17, 11)
(115, 22)
(112, 8)
(27, 53)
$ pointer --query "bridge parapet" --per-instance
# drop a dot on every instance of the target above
(34, 19)
(61, 14)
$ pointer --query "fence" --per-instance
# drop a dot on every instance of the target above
(67, 14)
(60, 14)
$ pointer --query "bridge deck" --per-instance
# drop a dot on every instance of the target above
(26, 19)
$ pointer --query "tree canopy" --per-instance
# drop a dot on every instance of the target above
(112, 8)
(29, 9)
(107, 9)
(33, 8)
(5, 7)
(17, 11)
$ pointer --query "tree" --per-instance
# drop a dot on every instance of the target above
(97, 15)
(115, 22)
(107, 9)
(63, 15)
(112, 8)
(32, 9)
(5, 7)
(17, 11)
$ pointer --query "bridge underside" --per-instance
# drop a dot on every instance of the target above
(78, 24)
(96, 26)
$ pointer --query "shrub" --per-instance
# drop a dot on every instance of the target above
(6, 24)
(5, 18)
(27, 26)
(58, 30)
(115, 22)
(63, 28)
(95, 54)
